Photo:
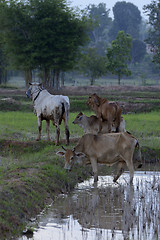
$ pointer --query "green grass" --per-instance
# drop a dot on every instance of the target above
(23, 127)
(146, 127)
(31, 172)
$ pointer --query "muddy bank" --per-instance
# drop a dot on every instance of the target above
(86, 90)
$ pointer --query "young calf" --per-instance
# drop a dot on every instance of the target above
(94, 125)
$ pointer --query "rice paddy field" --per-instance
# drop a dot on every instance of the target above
(32, 175)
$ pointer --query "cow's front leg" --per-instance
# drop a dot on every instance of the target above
(57, 134)
(109, 126)
(131, 169)
(94, 168)
(47, 129)
(39, 128)
(120, 170)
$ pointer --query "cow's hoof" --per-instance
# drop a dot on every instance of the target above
(114, 180)
(95, 179)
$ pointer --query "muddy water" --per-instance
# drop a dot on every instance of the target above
(105, 211)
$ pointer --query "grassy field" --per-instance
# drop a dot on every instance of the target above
(22, 126)
(31, 174)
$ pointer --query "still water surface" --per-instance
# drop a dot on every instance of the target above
(107, 211)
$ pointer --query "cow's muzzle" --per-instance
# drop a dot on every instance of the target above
(67, 167)
(28, 93)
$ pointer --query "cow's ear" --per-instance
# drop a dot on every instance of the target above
(30, 83)
(96, 101)
(80, 118)
(60, 153)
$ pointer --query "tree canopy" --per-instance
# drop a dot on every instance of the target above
(119, 55)
(92, 64)
(127, 17)
(42, 35)
(101, 23)
(153, 11)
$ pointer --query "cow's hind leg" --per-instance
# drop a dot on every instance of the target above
(66, 131)
(65, 118)
(67, 135)
(120, 170)
(47, 129)
(39, 128)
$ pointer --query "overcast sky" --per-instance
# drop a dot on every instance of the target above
(109, 4)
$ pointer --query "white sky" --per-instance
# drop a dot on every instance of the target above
(109, 4)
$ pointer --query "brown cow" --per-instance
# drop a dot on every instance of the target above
(105, 149)
(95, 125)
(105, 110)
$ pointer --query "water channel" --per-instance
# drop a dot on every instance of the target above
(107, 211)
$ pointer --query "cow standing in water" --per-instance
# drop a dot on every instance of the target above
(106, 149)
(49, 107)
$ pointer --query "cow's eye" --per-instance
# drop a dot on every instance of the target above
(71, 158)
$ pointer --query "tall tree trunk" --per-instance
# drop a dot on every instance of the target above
(53, 77)
(92, 81)
(56, 85)
(28, 77)
(119, 79)
(1, 78)
(47, 78)
(62, 79)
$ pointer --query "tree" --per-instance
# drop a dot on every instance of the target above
(138, 51)
(101, 20)
(153, 11)
(127, 17)
(3, 65)
(43, 35)
(119, 55)
(101, 23)
(92, 65)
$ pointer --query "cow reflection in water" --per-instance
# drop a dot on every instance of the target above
(121, 210)
(104, 149)
(102, 208)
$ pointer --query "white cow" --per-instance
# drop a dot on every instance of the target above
(49, 107)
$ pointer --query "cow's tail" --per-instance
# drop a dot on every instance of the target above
(66, 112)
(139, 155)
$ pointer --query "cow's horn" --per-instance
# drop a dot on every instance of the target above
(64, 148)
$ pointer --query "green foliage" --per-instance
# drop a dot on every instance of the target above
(138, 51)
(119, 55)
(152, 10)
(42, 34)
(101, 24)
(127, 17)
(141, 126)
(92, 64)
